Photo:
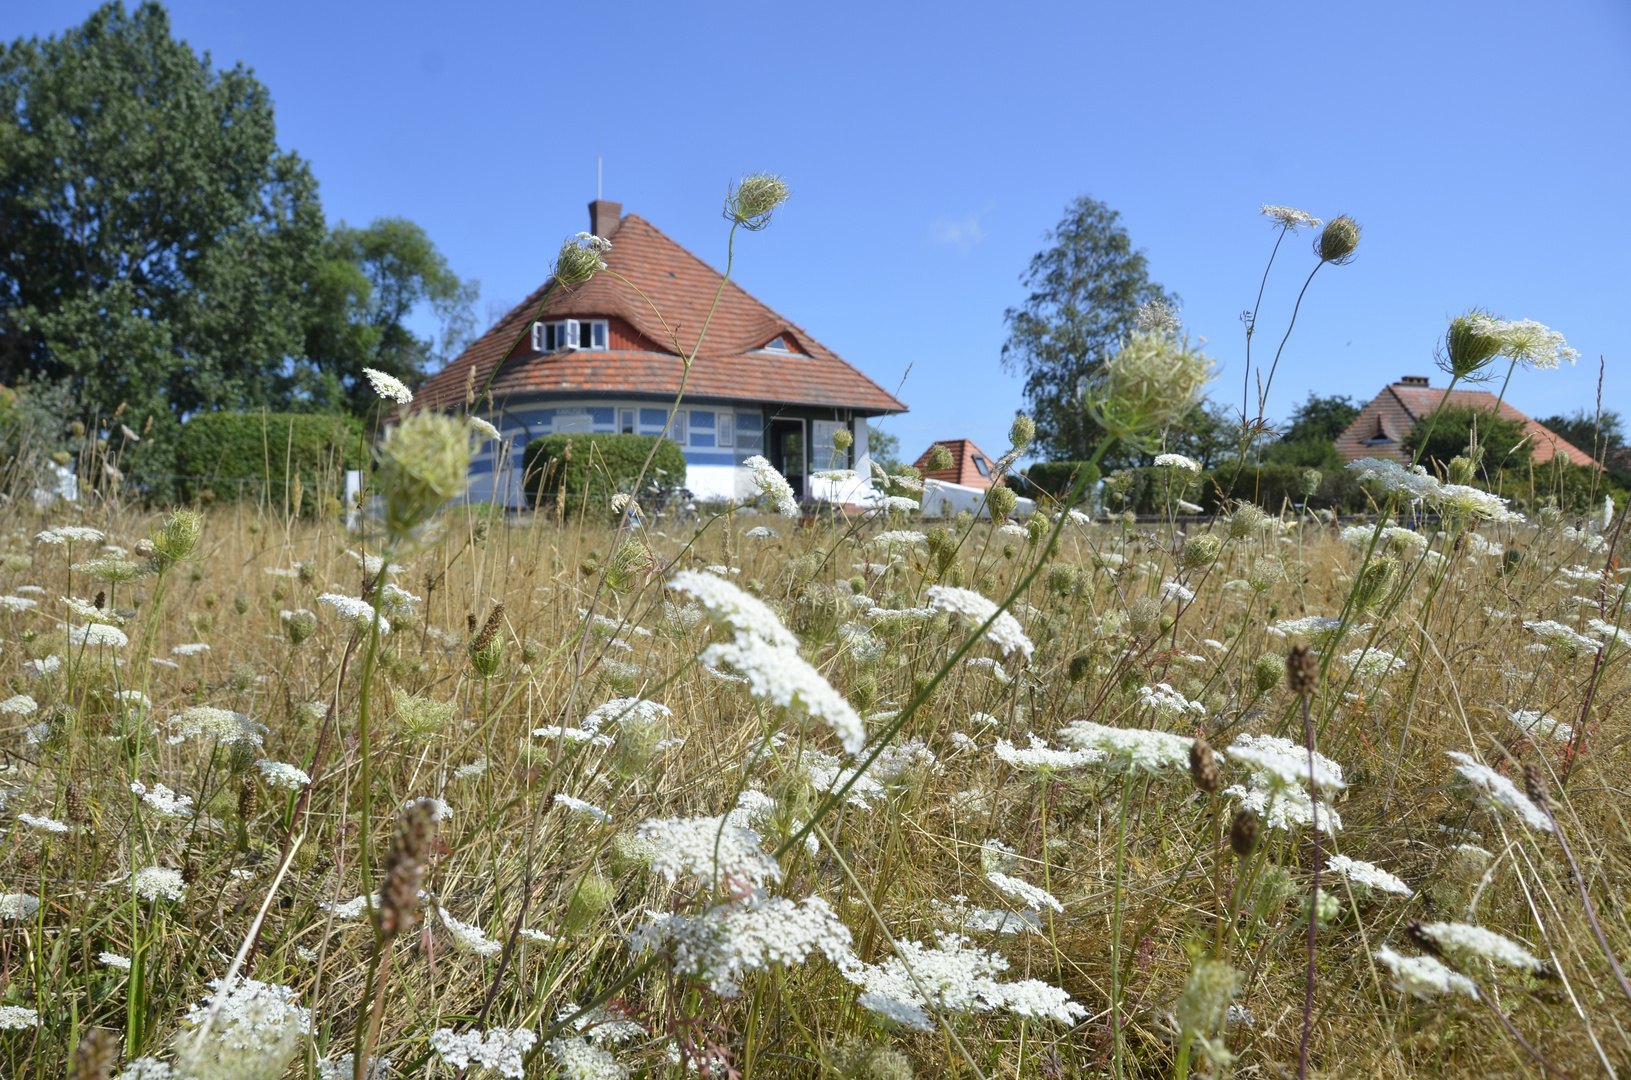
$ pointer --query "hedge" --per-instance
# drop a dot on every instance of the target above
(1052, 478)
(617, 462)
(228, 454)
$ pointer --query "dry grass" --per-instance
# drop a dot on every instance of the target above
(899, 857)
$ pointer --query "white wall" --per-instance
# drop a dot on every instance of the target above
(936, 492)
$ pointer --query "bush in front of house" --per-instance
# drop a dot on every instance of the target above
(599, 465)
(225, 455)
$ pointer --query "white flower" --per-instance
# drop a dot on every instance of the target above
(1033, 897)
(1164, 699)
(1040, 758)
(114, 960)
(1395, 479)
(760, 532)
(483, 428)
(280, 774)
(1372, 663)
(1005, 632)
(19, 705)
(1135, 748)
(1466, 942)
(467, 938)
(727, 941)
(1364, 873)
(360, 612)
(579, 1059)
(1289, 218)
(1423, 976)
(578, 806)
(954, 977)
(98, 634)
(388, 387)
(45, 823)
(1494, 789)
(779, 675)
(501, 1049)
(350, 909)
(133, 699)
(159, 883)
(194, 649)
(1172, 591)
(1177, 461)
(257, 1028)
(572, 735)
(1561, 637)
(899, 538)
(1284, 808)
(1404, 537)
(15, 604)
(1316, 628)
(1278, 762)
(223, 725)
(472, 770)
(1458, 500)
(166, 801)
(71, 534)
(18, 905)
(771, 483)
(1532, 722)
(1190, 508)
(17, 1018)
(50, 665)
(745, 614)
(629, 709)
(1609, 631)
(1534, 345)
(708, 850)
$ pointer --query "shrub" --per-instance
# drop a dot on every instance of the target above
(1052, 478)
(229, 454)
(1447, 432)
(617, 461)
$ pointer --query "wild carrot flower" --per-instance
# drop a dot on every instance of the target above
(1030, 895)
(468, 938)
(727, 941)
(197, 648)
(98, 634)
(1531, 722)
(114, 960)
(1492, 788)
(43, 823)
(17, 1018)
(1040, 758)
(360, 613)
(1394, 478)
(281, 774)
(1178, 462)
(14, 906)
(159, 883)
(388, 387)
(579, 806)
(1137, 749)
(1290, 218)
(256, 1030)
(1423, 976)
(164, 800)
(1368, 875)
(773, 485)
(1465, 942)
(223, 725)
(954, 977)
(482, 428)
(501, 1049)
(1565, 640)
(708, 850)
(19, 705)
(1005, 632)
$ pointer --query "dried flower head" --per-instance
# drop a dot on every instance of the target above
(1243, 832)
(1203, 767)
(750, 202)
(1302, 671)
(1289, 218)
(1338, 240)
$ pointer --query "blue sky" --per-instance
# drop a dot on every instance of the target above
(1484, 148)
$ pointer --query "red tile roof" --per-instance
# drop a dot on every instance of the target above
(963, 470)
(731, 364)
(1380, 428)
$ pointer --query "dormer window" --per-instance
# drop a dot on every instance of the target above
(981, 466)
(777, 344)
(569, 334)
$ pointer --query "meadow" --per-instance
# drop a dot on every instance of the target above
(736, 793)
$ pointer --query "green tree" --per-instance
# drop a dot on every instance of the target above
(155, 243)
(1445, 434)
(1309, 440)
(1086, 289)
(1589, 432)
(883, 447)
(368, 285)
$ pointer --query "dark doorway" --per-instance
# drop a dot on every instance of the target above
(787, 453)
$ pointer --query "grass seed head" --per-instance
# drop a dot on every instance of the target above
(404, 868)
(1203, 767)
(1302, 670)
(1243, 832)
(97, 1055)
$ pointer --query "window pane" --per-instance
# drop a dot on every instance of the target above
(627, 422)
(600, 335)
(727, 429)
(981, 466)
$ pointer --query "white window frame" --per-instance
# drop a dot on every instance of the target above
(725, 429)
(579, 334)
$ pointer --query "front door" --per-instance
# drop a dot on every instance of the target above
(788, 453)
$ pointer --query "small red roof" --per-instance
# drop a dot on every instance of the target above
(970, 466)
(1380, 428)
(644, 354)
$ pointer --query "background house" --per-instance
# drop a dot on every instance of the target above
(1380, 428)
(599, 359)
(971, 466)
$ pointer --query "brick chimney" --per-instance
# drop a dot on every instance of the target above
(604, 218)
(1412, 380)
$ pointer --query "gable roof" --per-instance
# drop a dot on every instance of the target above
(963, 470)
(1380, 428)
(731, 365)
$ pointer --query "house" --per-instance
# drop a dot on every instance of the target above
(971, 466)
(1380, 428)
(597, 358)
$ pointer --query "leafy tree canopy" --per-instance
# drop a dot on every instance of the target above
(1309, 439)
(1587, 431)
(1445, 434)
(1085, 291)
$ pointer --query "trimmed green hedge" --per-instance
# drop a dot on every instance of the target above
(1053, 478)
(228, 454)
(617, 461)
